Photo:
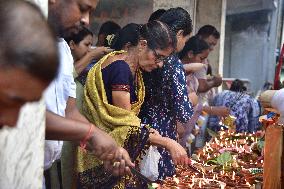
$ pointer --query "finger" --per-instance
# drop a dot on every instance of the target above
(108, 166)
(122, 167)
(118, 155)
(182, 160)
(128, 171)
(127, 159)
(115, 172)
(188, 161)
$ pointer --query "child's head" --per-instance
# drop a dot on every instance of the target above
(80, 42)
(195, 50)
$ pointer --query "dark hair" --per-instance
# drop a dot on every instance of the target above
(177, 19)
(156, 15)
(207, 30)
(128, 34)
(78, 36)
(108, 28)
(209, 70)
(158, 35)
(26, 41)
(238, 86)
(194, 44)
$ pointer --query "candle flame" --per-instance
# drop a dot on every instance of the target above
(193, 176)
(223, 185)
(233, 177)
(155, 185)
(200, 185)
(176, 180)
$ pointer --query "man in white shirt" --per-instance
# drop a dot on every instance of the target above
(65, 17)
(28, 64)
(57, 95)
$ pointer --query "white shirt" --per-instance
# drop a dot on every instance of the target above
(22, 149)
(56, 97)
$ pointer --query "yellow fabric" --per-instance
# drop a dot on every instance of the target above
(117, 122)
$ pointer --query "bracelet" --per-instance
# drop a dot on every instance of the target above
(83, 142)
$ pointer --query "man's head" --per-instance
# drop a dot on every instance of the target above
(67, 16)
(209, 34)
(28, 57)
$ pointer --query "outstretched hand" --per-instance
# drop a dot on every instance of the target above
(115, 158)
(177, 152)
(118, 164)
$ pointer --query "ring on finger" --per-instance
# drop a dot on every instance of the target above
(115, 164)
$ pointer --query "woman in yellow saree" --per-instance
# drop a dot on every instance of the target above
(113, 95)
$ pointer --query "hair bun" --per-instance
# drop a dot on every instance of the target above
(109, 39)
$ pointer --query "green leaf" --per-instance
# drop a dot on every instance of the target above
(212, 133)
(150, 186)
(213, 161)
(224, 158)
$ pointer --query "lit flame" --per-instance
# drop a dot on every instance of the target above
(233, 177)
(155, 185)
(176, 180)
(193, 176)
(223, 185)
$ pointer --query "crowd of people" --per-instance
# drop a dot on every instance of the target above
(141, 85)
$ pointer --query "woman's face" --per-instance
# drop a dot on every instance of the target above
(181, 40)
(81, 49)
(152, 59)
(198, 58)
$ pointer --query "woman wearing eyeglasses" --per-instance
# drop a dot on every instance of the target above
(113, 95)
(166, 100)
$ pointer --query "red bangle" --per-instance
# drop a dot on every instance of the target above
(87, 137)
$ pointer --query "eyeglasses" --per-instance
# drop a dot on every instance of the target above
(159, 58)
